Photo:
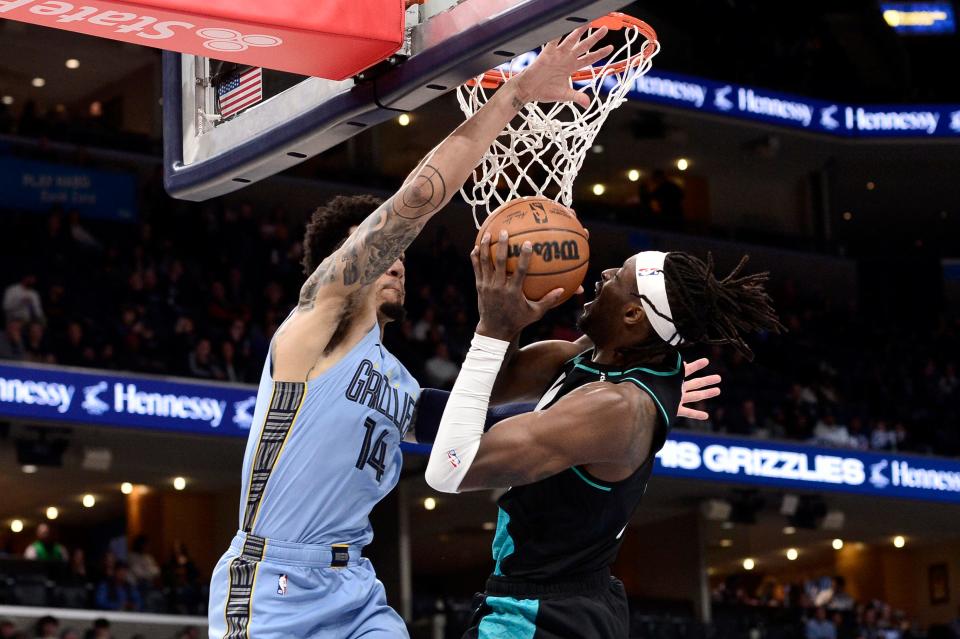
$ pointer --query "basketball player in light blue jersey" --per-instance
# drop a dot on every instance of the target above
(334, 404)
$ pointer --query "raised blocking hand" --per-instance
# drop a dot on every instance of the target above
(548, 78)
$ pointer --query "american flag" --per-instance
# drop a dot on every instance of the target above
(241, 91)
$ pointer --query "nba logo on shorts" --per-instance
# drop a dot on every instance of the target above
(282, 585)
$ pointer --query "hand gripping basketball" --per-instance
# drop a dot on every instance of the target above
(504, 309)
(561, 251)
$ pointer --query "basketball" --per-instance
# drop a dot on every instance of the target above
(561, 253)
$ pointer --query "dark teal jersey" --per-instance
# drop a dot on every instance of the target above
(572, 523)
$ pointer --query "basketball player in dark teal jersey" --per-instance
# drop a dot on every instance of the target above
(578, 465)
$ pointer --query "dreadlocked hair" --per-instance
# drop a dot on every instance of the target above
(707, 310)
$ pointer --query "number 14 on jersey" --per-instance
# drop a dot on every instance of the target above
(373, 452)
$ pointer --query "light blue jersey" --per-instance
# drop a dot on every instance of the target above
(320, 455)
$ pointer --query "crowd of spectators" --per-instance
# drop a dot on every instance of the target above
(92, 126)
(125, 577)
(839, 379)
(50, 627)
(825, 608)
(198, 291)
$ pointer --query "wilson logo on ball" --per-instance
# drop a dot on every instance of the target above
(549, 251)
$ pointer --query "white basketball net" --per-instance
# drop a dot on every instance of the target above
(542, 150)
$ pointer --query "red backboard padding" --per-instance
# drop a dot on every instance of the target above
(332, 39)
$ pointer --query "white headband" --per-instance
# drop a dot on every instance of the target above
(652, 287)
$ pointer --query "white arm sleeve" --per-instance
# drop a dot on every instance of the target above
(461, 427)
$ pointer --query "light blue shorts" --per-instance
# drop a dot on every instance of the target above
(266, 589)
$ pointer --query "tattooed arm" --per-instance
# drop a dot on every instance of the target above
(331, 295)
(382, 237)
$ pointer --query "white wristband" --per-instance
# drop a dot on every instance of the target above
(461, 427)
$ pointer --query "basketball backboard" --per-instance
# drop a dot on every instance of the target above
(447, 43)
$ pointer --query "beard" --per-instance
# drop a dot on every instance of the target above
(595, 322)
(582, 322)
(586, 323)
(393, 311)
